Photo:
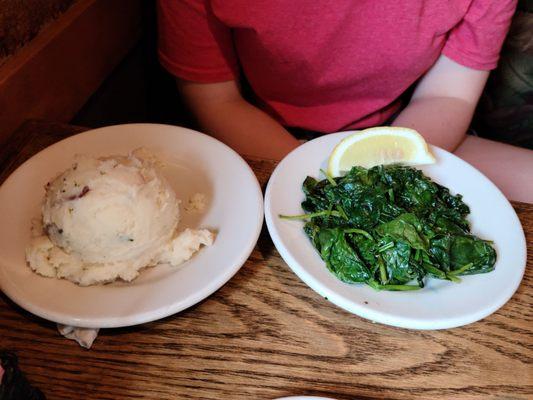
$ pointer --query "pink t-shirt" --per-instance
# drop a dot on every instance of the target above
(328, 65)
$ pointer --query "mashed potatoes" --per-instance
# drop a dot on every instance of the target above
(106, 218)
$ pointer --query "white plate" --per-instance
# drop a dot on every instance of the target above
(441, 304)
(196, 163)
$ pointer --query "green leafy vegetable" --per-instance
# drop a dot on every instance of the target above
(391, 227)
(340, 257)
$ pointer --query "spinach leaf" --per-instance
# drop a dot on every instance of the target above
(468, 249)
(407, 227)
(365, 247)
(440, 251)
(400, 269)
(391, 225)
(340, 257)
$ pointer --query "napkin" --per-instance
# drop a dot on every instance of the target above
(84, 336)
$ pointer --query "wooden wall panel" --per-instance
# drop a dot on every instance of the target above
(54, 75)
(22, 20)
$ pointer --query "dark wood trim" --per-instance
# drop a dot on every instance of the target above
(54, 75)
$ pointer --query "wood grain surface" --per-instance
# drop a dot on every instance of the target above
(41, 81)
(265, 334)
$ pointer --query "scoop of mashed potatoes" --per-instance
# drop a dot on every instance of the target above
(107, 218)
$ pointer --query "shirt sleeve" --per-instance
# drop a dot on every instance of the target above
(193, 44)
(477, 40)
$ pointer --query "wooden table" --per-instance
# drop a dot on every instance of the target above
(265, 334)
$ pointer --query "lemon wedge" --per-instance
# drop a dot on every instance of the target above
(379, 145)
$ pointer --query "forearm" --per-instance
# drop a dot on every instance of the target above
(443, 103)
(245, 128)
(443, 121)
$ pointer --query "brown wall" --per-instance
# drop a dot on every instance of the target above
(21, 21)
(54, 74)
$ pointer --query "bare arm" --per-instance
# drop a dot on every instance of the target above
(222, 112)
(441, 110)
(443, 103)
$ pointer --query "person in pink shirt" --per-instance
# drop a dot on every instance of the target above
(327, 66)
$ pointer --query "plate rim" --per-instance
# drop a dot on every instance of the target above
(360, 309)
(161, 311)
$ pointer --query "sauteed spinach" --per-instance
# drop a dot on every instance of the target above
(391, 227)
